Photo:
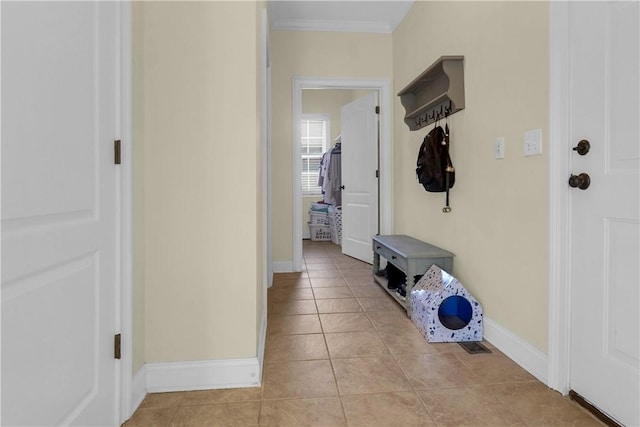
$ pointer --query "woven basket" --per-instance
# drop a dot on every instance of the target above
(335, 222)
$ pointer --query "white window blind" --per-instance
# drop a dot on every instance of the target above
(314, 142)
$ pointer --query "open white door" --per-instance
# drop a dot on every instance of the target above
(604, 100)
(59, 213)
(359, 122)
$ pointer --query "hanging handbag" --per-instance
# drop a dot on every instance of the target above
(434, 168)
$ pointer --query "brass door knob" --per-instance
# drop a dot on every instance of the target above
(581, 181)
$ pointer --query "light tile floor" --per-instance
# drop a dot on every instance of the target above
(341, 352)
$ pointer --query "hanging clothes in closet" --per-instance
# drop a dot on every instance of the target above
(330, 178)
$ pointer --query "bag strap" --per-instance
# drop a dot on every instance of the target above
(447, 208)
(449, 169)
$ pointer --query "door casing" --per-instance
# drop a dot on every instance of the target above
(383, 86)
(124, 293)
(559, 202)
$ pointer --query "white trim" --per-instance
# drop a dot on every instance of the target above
(200, 375)
(559, 206)
(385, 22)
(282, 267)
(524, 354)
(203, 375)
(385, 159)
(267, 275)
(138, 388)
(126, 221)
(267, 278)
(333, 26)
(262, 344)
(296, 190)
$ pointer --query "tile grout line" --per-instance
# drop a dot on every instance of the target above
(333, 370)
(395, 360)
(377, 332)
(393, 356)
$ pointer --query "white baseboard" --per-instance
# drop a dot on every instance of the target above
(199, 375)
(520, 351)
(262, 343)
(282, 266)
(138, 388)
(203, 375)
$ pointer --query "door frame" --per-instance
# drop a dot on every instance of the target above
(124, 185)
(385, 195)
(559, 350)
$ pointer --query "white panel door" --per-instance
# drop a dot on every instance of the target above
(605, 325)
(359, 123)
(59, 214)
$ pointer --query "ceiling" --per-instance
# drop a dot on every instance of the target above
(377, 16)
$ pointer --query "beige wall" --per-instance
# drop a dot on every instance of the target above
(197, 209)
(311, 54)
(498, 227)
(327, 101)
(201, 213)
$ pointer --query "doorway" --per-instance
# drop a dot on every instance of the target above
(383, 87)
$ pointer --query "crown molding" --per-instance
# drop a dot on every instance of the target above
(332, 26)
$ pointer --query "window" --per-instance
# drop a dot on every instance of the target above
(314, 142)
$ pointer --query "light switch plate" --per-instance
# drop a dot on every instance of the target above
(533, 142)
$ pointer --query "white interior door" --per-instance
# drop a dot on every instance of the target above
(359, 123)
(59, 215)
(604, 103)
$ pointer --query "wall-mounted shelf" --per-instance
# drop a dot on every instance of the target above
(434, 94)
